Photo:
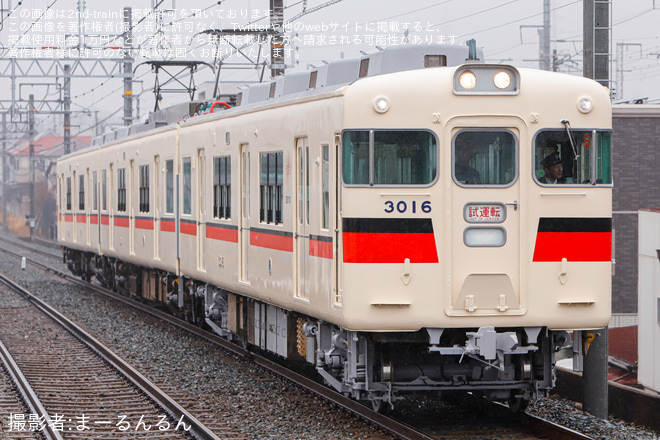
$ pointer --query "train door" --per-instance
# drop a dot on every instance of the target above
(336, 208)
(156, 211)
(485, 220)
(244, 216)
(301, 236)
(201, 204)
(86, 197)
(129, 202)
(74, 206)
(111, 208)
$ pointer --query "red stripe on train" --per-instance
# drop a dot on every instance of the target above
(122, 222)
(383, 247)
(223, 234)
(144, 223)
(93, 219)
(167, 225)
(271, 241)
(105, 220)
(321, 249)
(188, 228)
(81, 218)
(574, 246)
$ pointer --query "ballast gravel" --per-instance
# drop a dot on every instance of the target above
(239, 394)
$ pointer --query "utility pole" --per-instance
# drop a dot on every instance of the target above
(67, 108)
(277, 38)
(544, 45)
(620, 47)
(4, 172)
(596, 40)
(31, 112)
(128, 67)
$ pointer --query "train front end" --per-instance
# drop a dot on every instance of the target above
(475, 225)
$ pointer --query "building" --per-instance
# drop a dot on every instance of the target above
(648, 373)
(48, 147)
(636, 174)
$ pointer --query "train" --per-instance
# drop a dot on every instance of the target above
(413, 220)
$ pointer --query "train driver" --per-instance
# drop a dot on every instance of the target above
(553, 169)
(463, 172)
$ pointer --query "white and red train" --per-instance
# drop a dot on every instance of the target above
(407, 221)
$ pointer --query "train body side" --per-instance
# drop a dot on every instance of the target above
(187, 238)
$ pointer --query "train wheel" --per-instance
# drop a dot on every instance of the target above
(517, 404)
(380, 406)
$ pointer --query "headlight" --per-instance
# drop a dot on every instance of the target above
(467, 80)
(381, 104)
(585, 105)
(502, 80)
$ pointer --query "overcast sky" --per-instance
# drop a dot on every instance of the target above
(507, 30)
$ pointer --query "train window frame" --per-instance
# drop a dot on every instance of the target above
(144, 189)
(371, 163)
(68, 193)
(222, 187)
(94, 189)
(186, 182)
(81, 192)
(271, 196)
(592, 166)
(104, 190)
(121, 189)
(516, 157)
(325, 186)
(169, 186)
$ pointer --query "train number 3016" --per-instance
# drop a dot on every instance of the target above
(402, 207)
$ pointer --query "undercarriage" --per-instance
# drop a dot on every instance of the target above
(513, 365)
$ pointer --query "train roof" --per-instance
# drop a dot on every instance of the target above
(321, 79)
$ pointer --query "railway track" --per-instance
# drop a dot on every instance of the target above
(74, 386)
(530, 427)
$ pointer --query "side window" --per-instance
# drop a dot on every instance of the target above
(484, 158)
(169, 183)
(81, 193)
(222, 187)
(104, 190)
(389, 157)
(187, 185)
(582, 158)
(144, 188)
(270, 189)
(325, 187)
(121, 189)
(95, 191)
(355, 155)
(68, 193)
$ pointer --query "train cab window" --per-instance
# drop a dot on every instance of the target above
(270, 188)
(389, 157)
(81, 193)
(583, 158)
(169, 189)
(484, 158)
(222, 187)
(187, 185)
(121, 189)
(68, 193)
